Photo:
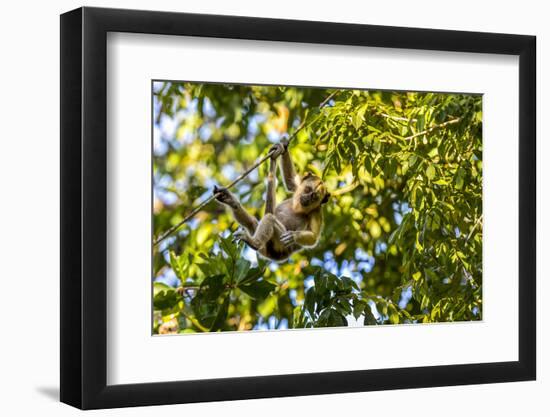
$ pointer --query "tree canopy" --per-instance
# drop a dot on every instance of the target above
(402, 241)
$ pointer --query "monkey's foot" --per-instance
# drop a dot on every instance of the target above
(243, 236)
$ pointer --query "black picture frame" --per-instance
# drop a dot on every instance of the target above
(84, 207)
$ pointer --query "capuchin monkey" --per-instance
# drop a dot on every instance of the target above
(289, 226)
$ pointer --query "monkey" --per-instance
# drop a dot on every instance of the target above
(290, 226)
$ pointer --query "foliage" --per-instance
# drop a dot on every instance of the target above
(403, 231)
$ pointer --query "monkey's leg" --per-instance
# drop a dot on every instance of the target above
(249, 222)
(268, 228)
(224, 196)
(270, 194)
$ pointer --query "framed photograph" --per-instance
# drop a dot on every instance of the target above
(255, 208)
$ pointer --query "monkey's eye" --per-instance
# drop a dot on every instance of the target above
(308, 189)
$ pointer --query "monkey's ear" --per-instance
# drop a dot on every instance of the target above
(325, 198)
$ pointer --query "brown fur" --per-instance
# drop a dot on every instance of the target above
(289, 226)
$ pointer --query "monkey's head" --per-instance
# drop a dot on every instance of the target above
(310, 194)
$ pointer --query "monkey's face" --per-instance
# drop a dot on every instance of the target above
(311, 192)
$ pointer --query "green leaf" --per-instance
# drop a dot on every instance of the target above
(336, 319)
(393, 236)
(211, 265)
(321, 283)
(433, 153)
(258, 290)
(228, 247)
(343, 306)
(329, 317)
(425, 302)
(369, 317)
(164, 298)
(309, 302)
(417, 244)
(430, 172)
(393, 314)
(207, 302)
(459, 179)
(298, 317)
(176, 265)
(358, 118)
(221, 315)
(242, 267)
(213, 286)
(253, 274)
(382, 308)
(420, 120)
(160, 287)
(358, 308)
(348, 284)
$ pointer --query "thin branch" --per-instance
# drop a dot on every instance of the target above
(439, 126)
(325, 101)
(404, 119)
(182, 288)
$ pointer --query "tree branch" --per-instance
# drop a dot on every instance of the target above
(439, 126)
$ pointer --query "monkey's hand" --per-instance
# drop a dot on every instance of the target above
(288, 238)
(278, 149)
(223, 195)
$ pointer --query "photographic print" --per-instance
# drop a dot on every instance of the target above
(285, 207)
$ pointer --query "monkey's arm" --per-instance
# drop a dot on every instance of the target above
(223, 195)
(304, 237)
(270, 197)
(289, 172)
(311, 236)
(246, 220)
